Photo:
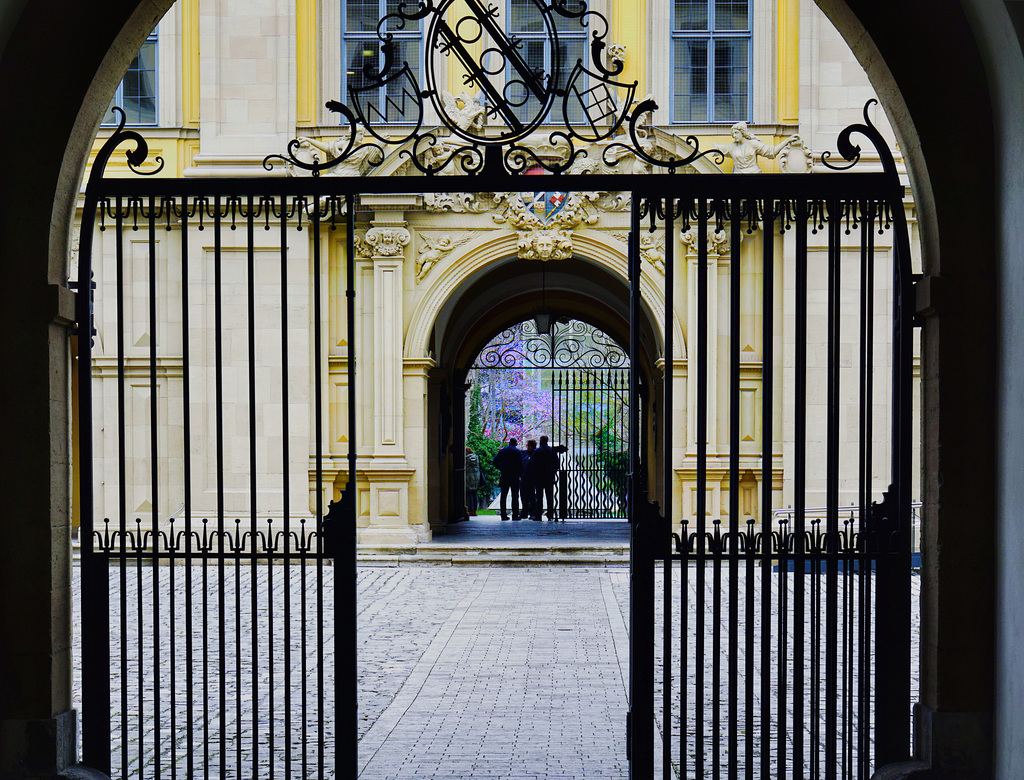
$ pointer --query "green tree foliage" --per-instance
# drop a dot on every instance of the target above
(613, 462)
(484, 446)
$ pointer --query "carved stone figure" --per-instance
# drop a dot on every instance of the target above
(356, 164)
(387, 242)
(439, 157)
(645, 144)
(471, 116)
(432, 251)
(746, 147)
(652, 249)
(718, 242)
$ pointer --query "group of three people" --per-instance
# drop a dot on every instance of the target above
(528, 474)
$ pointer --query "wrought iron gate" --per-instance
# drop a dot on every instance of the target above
(590, 413)
(218, 577)
(783, 650)
(570, 384)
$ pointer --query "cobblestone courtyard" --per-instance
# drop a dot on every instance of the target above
(464, 672)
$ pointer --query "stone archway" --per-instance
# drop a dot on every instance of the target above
(494, 296)
(973, 215)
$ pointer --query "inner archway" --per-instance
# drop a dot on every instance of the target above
(584, 301)
(563, 380)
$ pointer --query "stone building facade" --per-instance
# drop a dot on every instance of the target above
(440, 273)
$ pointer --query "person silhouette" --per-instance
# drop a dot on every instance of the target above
(509, 463)
(546, 465)
(527, 485)
(472, 481)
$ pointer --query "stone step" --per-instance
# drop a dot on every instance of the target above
(505, 555)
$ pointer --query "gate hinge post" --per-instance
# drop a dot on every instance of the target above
(63, 304)
(629, 734)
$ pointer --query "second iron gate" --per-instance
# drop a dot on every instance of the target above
(762, 646)
(589, 415)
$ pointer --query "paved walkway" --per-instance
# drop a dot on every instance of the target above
(525, 679)
(486, 539)
(492, 531)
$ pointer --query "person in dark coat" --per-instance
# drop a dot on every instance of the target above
(509, 462)
(527, 487)
(545, 468)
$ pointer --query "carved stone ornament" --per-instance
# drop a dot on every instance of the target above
(469, 114)
(796, 158)
(718, 242)
(652, 248)
(350, 156)
(363, 249)
(545, 245)
(387, 242)
(459, 202)
(546, 233)
(432, 251)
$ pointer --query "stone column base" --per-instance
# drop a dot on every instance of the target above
(948, 746)
(384, 507)
(38, 749)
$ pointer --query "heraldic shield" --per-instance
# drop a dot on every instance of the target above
(391, 101)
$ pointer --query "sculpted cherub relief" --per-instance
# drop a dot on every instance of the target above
(652, 248)
(432, 251)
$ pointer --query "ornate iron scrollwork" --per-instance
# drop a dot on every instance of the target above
(136, 156)
(507, 99)
(572, 344)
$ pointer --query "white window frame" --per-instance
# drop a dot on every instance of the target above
(118, 98)
(345, 39)
(711, 36)
(583, 35)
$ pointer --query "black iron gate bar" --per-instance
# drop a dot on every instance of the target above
(875, 554)
(875, 543)
(586, 484)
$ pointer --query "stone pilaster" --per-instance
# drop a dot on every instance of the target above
(387, 518)
(247, 90)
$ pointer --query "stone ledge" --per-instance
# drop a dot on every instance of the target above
(79, 772)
